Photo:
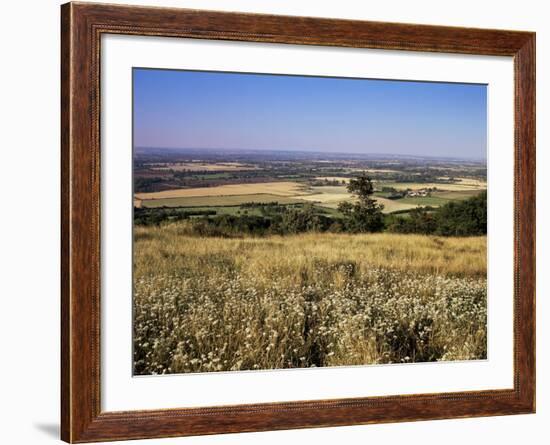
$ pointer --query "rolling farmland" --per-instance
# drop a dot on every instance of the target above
(294, 192)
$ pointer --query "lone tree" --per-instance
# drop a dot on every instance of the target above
(365, 215)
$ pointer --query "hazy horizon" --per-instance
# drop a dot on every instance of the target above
(195, 110)
(365, 154)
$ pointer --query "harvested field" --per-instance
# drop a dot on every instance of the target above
(394, 206)
(274, 188)
(328, 200)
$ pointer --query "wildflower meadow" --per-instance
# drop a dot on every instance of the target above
(310, 300)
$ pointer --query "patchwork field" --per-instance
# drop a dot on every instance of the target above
(294, 192)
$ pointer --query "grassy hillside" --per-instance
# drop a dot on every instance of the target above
(211, 304)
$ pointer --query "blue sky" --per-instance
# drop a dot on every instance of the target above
(193, 109)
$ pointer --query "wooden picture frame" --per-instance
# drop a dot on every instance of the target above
(82, 25)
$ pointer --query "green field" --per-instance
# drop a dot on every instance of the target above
(455, 195)
(209, 176)
(228, 210)
(217, 201)
(433, 201)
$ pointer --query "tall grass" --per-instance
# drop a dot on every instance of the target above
(213, 304)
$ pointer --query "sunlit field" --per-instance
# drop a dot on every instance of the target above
(275, 188)
(316, 299)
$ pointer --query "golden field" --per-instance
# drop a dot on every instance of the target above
(274, 188)
(219, 304)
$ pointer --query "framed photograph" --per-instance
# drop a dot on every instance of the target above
(274, 222)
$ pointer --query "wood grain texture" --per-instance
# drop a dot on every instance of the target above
(82, 26)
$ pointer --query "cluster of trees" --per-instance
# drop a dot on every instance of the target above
(275, 219)
(327, 182)
(460, 218)
(143, 184)
(392, 193)
(285, 221)
(152, 216)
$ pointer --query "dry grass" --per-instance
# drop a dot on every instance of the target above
(210, 304)
(284, 255)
